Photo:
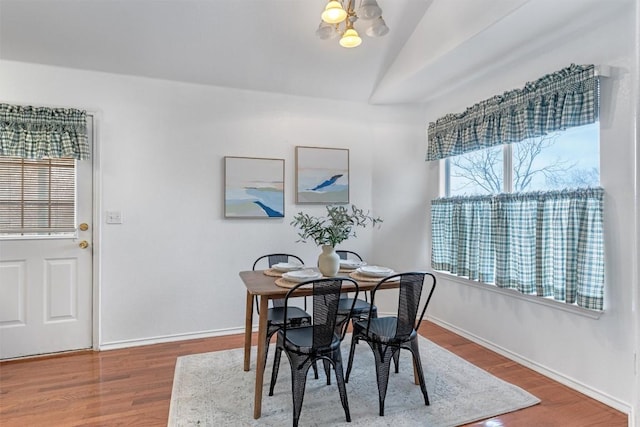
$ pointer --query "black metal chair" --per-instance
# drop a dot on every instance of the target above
(387, 335)
(362, 308)
(306, 345)
(295, 316)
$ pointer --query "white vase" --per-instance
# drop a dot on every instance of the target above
(328, 261)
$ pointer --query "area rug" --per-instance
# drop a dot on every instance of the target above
(211, 389)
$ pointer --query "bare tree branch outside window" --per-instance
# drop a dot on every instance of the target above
(535, 166)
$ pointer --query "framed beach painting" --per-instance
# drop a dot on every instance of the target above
(253, 187)
(322, 175)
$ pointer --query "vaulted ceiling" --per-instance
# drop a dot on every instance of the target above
(271, 46)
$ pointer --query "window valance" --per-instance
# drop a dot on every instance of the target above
(39, 132)
(567, 98)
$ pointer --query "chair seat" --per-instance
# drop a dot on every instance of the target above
(382, 329)
(301, 340)
(360, 308)
(297, 316)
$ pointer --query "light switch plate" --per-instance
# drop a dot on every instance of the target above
(114, 217)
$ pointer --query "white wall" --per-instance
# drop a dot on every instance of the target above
(171, 269)
(593, 355)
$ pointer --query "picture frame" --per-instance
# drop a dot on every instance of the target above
(253, 187)
(322, 175)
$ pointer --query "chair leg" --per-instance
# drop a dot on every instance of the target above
(383, 355)
(327, 370)
(337, 367)
(266, 346)
(352, 349)
(396, 361)
(298, 383)
(274, 371)
(315, 369)
(414, 347)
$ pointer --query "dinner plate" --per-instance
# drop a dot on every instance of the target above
(374, 271)
(351, 264)
(301, 275)
(287, 266)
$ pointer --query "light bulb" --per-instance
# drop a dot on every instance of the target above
(327, 31)
(334, 13)
(369, 9)
(350, 39)
(377, 29)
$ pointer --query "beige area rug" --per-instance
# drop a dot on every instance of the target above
(211, 389)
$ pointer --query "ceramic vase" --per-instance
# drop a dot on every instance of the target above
(328, 261)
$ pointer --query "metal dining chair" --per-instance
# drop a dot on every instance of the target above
(388, 335)
(361, 308)
(304, 346)
(295, 316)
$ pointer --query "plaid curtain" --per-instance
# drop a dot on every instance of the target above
(557, 101)
(461, 237)
(548, 244)
(39, 132)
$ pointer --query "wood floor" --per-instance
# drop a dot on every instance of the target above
(132, 387)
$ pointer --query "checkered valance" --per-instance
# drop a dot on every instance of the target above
(557, 101)
(39, 132)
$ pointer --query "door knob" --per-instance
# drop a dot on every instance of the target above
(84, 244)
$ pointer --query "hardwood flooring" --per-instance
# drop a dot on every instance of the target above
(132, 387)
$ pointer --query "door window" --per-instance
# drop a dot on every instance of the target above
(37, 197)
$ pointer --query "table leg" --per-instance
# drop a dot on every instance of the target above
(262, 337)
(248, 329)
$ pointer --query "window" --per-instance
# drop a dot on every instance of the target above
(522, 206)
(563, 159)
(526, 216)
(37, 197)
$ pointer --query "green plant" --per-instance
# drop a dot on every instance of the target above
(336, 227)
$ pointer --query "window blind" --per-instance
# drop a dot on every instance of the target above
(37, 196)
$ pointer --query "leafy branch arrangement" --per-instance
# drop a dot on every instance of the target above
(334, 228)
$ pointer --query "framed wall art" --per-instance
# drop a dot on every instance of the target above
(253, 187)
(322, 175)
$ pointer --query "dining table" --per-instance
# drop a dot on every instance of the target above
(262, 283)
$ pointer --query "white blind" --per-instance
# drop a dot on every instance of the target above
(37, 196)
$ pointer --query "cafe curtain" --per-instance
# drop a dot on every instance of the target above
(557, 101)
(548, 244)
(39, 132)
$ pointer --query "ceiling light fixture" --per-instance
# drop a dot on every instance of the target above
(338, 18)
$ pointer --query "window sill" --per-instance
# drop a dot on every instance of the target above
(515, 294)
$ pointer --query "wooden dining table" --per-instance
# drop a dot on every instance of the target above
(262, 285)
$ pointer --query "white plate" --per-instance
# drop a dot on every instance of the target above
(374, 271)
(301, 275)
(287, 266)
(351, 264)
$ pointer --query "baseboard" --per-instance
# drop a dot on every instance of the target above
(556, 376)
(114, 345)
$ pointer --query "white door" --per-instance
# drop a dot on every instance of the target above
(46, 282)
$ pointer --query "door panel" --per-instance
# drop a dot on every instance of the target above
(13, 290)
(46, 287)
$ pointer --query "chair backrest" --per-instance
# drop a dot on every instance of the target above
(326, 296)
(271, 259)
(343, 254)
(411, 286)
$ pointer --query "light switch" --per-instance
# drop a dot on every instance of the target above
(114, 217)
